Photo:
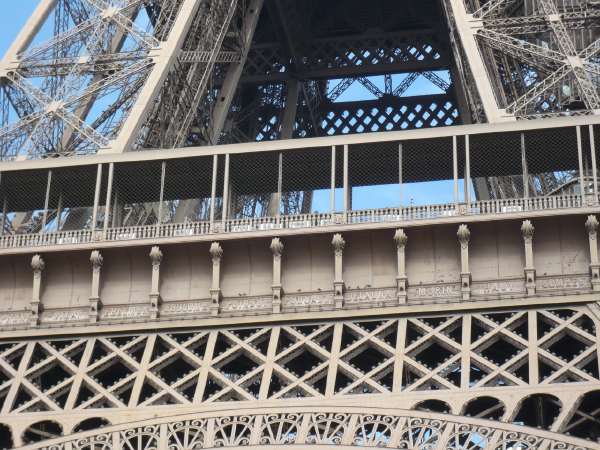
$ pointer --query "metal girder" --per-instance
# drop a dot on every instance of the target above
(180, 130)
(234, 72)
(483, 84)
(333, 73)
(82, 62)
(371, 87)
(340, 88)
(437, 80)
(164, 60)
(567, 47)
(405, 84)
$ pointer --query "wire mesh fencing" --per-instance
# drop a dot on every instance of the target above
(253, 185)
(428, 172)
(71, 199)
(496, 166)
(187, 193)
(135, 196)
(551, 162)
(24, 201)
(374, 175)
(306, 181)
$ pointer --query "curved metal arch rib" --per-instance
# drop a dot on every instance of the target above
(341, 426)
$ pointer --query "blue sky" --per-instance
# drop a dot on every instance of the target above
(13, 17)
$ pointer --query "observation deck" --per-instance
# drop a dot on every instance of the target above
(318, 185)
(233, 203)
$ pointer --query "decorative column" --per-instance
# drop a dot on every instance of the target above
(277, 250)
(592, 228)
(401, 240)
(464, 235)
(527, 231)
(37, 265)
(338, 244)
(156, 257)
(96, 260)
(216, 253)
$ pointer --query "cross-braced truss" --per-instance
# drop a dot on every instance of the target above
(116, 75)
(85, 68)
(502, 363)
(542, 56)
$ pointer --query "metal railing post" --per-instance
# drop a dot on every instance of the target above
(111, 172)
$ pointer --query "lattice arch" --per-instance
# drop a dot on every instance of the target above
(345, 426)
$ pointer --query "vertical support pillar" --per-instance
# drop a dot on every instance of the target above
(277, 250)
(524, 167)
(96, 261)
(332, 191)
(401, 240)
(467, 172)
(527, 231)
(347, 188)
(291, 106)
(4, 212)
(216, 253)
(213, 191)
(400, 175)
(97, 190)
(593, 157)
(279, 184)
(225, 207)
(161, 197)
(464, 236)
(156, 257)
(455, 169)
(591, 225)
(582, 183)
(111, 175)
(37, 265)
(338, 245)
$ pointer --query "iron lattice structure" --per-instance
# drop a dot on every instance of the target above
(429, 289)
(116, 75)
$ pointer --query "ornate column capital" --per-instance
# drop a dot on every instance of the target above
(276, 247)
(216, 251)
(591, 224)
(37, 264)
(338, 243)
(527, 230)
(156, 255)
(96, 260)
(400, 238)
(464, 235)
(277, 291)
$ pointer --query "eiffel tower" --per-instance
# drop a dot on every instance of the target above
(305, 223)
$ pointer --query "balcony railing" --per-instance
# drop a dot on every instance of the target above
(398, 216)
